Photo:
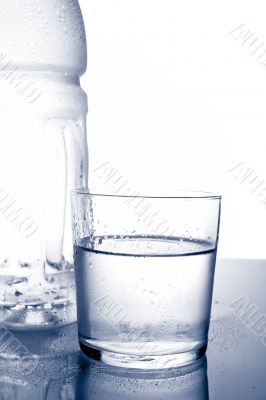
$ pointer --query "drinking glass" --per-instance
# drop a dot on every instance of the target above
(144, 269)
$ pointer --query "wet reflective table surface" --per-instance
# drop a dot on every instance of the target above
(235, 366)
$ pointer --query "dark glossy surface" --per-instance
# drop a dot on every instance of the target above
(235, 367)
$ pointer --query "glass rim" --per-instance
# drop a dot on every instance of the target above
(170, 194)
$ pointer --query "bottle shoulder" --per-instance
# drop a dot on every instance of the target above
(42, 35)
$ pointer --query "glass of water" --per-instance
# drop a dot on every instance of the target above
(144, 268)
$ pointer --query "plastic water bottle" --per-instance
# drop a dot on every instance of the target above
(43, 156)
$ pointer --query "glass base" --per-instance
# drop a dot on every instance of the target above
(145, 362)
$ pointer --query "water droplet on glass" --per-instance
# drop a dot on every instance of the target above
(25, 265)
(50, 279)
(59, 298)
(16, 281)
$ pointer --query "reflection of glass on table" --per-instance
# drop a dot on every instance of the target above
(100, 382)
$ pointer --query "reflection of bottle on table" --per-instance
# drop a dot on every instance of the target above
(48, 368)
(62, 389)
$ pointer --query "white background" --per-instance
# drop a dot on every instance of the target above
(176, 100)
